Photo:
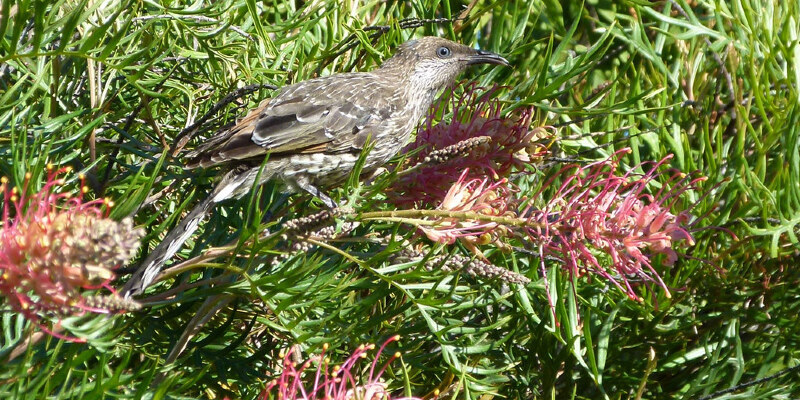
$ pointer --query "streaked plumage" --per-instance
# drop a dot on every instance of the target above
(314, 131)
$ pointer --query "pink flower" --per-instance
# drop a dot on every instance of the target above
(508, 145)
(477, 196)
(596, 212)
(331, 383)
(54, 246)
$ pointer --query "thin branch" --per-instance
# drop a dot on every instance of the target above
(415, 216)
(750, 383)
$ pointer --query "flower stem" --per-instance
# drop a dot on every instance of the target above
(414, 216)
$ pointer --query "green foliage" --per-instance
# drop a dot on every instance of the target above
(109, 86)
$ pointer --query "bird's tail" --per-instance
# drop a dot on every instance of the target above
(233, 184)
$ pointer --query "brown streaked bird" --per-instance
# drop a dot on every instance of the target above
(313, 132)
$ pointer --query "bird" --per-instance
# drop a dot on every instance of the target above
(312, 133)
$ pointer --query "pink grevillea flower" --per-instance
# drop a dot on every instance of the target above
(443, 150)
(596, 213)
(473, 195)
(340, 382)
(54, 246)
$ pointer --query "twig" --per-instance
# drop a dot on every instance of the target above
(415, 216)
(750, 383)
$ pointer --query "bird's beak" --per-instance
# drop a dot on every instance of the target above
(486, 57)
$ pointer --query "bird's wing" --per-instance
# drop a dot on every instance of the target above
(320, 115)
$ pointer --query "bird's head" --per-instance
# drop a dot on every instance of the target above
(431, 63)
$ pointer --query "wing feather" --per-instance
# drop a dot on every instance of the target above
(318, 115)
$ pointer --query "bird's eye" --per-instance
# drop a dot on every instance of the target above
(443, 52)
